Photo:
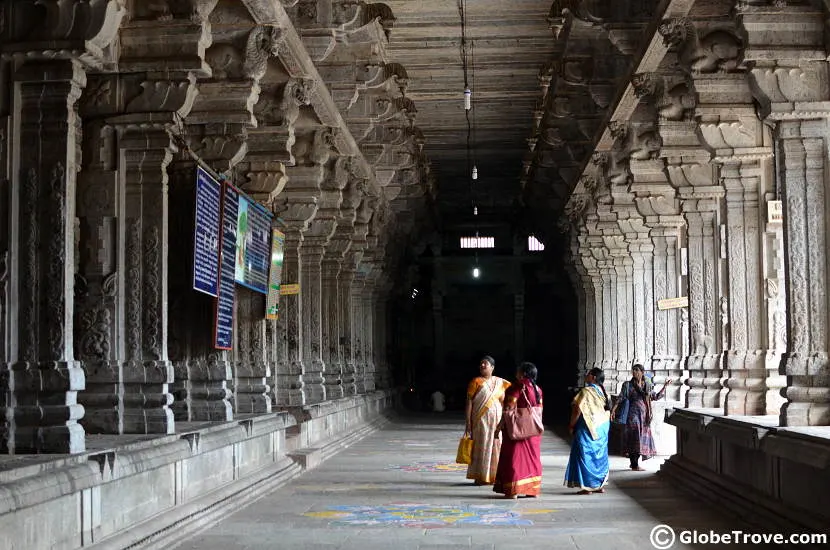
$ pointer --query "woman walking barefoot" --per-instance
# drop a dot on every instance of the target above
(590, 423)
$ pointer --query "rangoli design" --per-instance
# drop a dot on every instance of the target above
(425, 516)
(430, 466)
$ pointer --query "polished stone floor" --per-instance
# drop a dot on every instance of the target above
(399, 489)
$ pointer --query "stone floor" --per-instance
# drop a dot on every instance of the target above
(399, 489)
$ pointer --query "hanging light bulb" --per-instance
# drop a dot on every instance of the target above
(475, 210)
(475, 173)
(468, 96)
(476, 272)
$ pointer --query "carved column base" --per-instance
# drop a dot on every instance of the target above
(209, 392)
(349, 381)
(290, 385)
(252, 389)
(314, 384)
(369, 377)
(808, 401)
(705, 390)
(333, 376)
(147, 398)
(103, 408)
(45, 424)
(746, 382)
(775, 384)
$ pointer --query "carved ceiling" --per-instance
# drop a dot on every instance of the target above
(511, 40)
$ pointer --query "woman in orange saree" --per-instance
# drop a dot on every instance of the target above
(485, 397)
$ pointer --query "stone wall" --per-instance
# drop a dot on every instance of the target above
(157, 490)
(778, 478)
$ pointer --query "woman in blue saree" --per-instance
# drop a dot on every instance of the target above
(590, 423)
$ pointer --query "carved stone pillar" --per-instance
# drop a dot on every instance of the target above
(331, 319)
(358, 332)
(345, 281)
(253, 372)
(147, 152)
(311, 300)
(44, 378)
(671, 326)
(367, 299)
(99, 282)
(290, 365)
(746, 358)
(704, 363)
(804, 160)
(642, 256)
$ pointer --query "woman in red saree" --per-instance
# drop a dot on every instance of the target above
(520, 462)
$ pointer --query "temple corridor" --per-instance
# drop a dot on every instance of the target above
(237, 235)
(399, 489)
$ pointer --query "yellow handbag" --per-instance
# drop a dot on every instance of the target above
(465, 450)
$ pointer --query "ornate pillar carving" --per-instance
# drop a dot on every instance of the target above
(345, 281)
(44, 378)
(289, 392)
(789, 78)
(367, 309)
(307, 180)
(99, 281)
(358, 332)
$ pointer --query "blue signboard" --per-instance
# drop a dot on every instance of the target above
(206, 236)
(223, 336)
(253, 245)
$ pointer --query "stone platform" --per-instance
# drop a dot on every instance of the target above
(399, 489)
(752, 467)
(153, 491)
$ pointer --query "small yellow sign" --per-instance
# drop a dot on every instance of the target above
(672, 303)
(288, 290)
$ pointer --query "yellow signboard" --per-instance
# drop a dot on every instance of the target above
(287, 290)
(672, 303)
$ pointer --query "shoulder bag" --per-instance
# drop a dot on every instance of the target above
(621, 412)
(523, 423)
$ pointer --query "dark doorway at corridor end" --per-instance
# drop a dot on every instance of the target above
(516, 307)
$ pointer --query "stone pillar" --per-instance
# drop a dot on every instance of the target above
(746, 357)
(148, 373)
(642, 256)
(803, 158)
(367, 298)
(437, 330)
(44, 379)
(671, 340)
(704, 363)
(383, 374)
(333, 355)
(290, 365)
(253, 373)
(99, 282)
(345, 281)
(789, 81)
(358, 332)
(311, 304)
(519, 325)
